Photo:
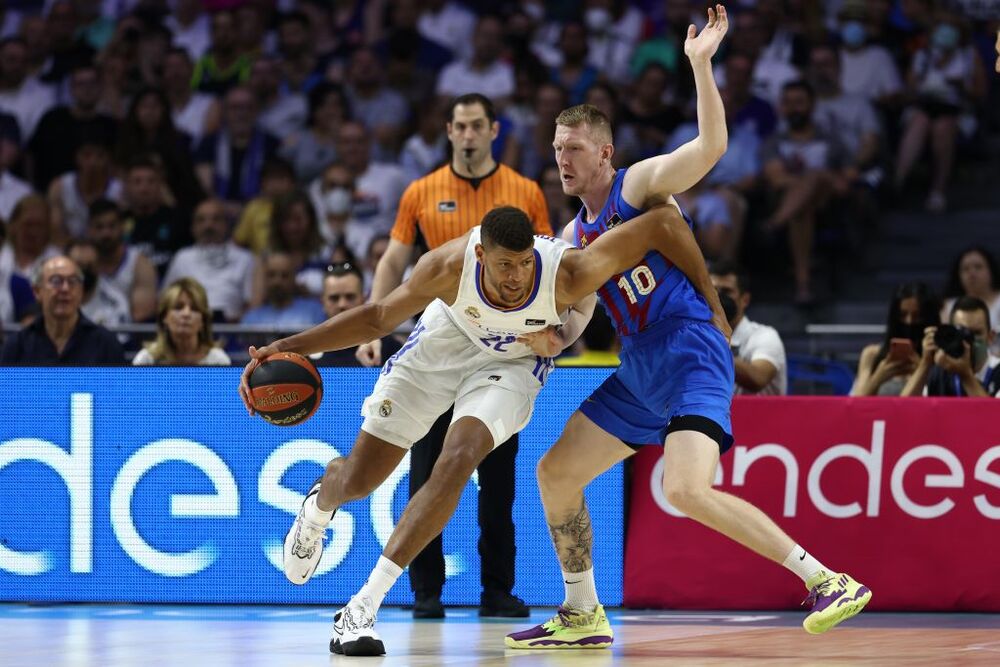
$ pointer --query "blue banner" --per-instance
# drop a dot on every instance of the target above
(153, 485)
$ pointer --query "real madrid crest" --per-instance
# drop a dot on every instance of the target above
(472, 312)
(386, 408)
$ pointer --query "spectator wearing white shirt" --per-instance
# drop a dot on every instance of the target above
(483, 72)
(945, 82)
(191, 27)
(427, 148)
(866, 69)
(378, 186)
(382, 110)
(103, 303)
(22, 96)
(122, 266)
(224, 268)
(758, 352)
(197, 114)
(332, 196)
(280, 113)
(851, 119)
(614, 29)
(449, 24)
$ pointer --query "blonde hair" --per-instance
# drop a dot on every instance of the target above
(587, 114)
(162, 349)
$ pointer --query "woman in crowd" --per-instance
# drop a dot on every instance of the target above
(184, 330)
(295, 232)
(882, 372)
(975, 273)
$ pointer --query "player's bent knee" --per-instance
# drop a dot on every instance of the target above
(554, 477)
(684, 494)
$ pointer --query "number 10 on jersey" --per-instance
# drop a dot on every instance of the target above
(640, 279)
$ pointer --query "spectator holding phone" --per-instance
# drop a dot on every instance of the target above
(956, 360)
(885, 367)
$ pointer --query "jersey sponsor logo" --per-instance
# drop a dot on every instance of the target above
(534, 323)
(614, 221)
(494, 378)
(472, 312)
(448, 206)
(386, 408)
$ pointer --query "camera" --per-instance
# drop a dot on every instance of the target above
(950, 338)
(728, 306)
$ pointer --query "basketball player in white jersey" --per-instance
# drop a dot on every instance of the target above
(490, 300)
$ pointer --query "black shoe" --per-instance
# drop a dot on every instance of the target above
(503, 605)
(428, 607)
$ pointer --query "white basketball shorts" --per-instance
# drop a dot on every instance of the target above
(439, 366)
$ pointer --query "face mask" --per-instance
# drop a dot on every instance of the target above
(979, 350)
(853, 33)
(797, 121)
(597, 19)
(945, 37)
(338, 201)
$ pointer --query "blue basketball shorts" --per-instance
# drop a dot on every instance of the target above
(678, 370)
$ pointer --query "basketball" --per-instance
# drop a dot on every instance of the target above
(286, 389)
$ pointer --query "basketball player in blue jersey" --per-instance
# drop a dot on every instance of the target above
(488, 300)
(675, 381)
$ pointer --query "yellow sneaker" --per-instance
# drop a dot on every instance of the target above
(569, 628)
(835, 598)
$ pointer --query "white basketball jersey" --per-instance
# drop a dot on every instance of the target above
(495, 328)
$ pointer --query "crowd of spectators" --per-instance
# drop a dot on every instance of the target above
(250, 144)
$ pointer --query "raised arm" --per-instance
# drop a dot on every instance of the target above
(662, 229)
(653, 180)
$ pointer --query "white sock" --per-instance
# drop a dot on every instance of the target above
(581, 594)
(379, 582)
(803, 564)
(314, 514)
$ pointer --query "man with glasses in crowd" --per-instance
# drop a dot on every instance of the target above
(61, 335)
(343, 289)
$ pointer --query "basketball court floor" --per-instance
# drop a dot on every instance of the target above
(231, 636)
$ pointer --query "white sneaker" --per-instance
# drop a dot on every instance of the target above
(354, 630)
(303, 545)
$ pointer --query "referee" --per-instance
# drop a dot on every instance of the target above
(441, 206)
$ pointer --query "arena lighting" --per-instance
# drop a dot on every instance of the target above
(872, 461)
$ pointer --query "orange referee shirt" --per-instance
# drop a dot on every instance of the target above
(445, 205)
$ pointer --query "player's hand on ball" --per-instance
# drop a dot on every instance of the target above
(544, 343)
(370, 354)
(256, 356)
(702, 47)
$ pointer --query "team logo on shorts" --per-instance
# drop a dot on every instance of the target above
(386, 408)
(472, 312)
(449, 206)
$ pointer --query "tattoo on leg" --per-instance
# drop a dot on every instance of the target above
(573, 540)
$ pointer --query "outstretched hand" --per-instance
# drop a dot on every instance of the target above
(701, 48)
(256, 356)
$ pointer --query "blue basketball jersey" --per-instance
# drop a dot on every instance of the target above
(648, 293)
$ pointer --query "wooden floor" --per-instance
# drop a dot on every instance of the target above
(218, 636)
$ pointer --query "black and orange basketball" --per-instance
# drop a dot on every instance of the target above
(286, 389)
